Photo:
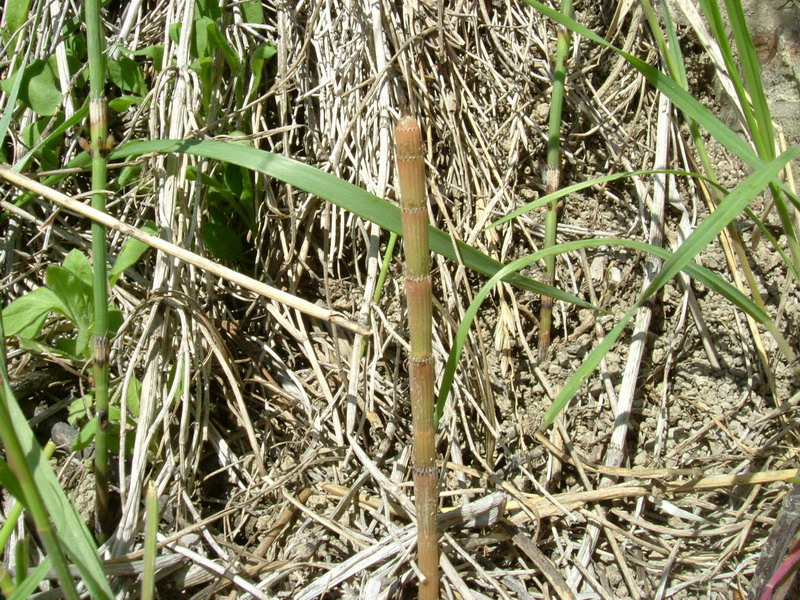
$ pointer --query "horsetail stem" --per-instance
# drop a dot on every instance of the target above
(98, 127)
(553, 177)
(414, 210)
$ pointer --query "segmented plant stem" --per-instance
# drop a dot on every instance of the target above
(553, 176)
(98, 127)
(414, 205)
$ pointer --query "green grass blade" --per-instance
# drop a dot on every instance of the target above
(679, 97)
(585, 184)
(25, 589)
(729, 209)
(708, 278)
(763, 136)
(76, 118)
(343, 194)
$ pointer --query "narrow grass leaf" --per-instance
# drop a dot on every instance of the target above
(25, 589)
(733, 204)
(72, 531)
(342, 193)
(729, 209)
(576, 187)
(679, 97)
(708, 278)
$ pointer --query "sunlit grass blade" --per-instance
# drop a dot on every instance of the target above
(729, 209)
(343, 194)
(679, 97)
(704, 276)
(589, 183)
(25, 590)
(70, 530)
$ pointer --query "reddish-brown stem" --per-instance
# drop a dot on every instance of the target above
(414, 204)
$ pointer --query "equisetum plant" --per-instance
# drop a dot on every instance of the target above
(414, 210)
(98, 126)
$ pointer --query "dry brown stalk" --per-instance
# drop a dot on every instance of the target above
(414, 204)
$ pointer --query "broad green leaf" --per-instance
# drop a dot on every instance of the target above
(86, 435)
(219, 41)
(38, 88)
(127, 75)
(201, 43)
(133, 396)
(729, 209)
(252, 12)
(155, 52)
(343, 194)
(261, 55)
(78, 264)
(15, 14)
(123, 103)
(25, 316)
(223, 242)
(131, 252)
(77, 408)
(209, 9)
(76, 296)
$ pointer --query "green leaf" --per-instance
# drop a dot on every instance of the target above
(26, 316)
(155, 52)
(38, 88)
(85, 435)
(201, 46)
(78, 264)
(261, 55)
(576, 187)
(175, 32)
(25, 589)
(219, 41)
(127, 75)
(76, 296)
(132, 251)
(77, 408)
(209, 9)
(223, 242)
(10, 483)
(54, 137)
(128, 174)
(15, 14)
(123, 103)
(343, 194)
(252, 12)
(679, 97)
(701, 274)
(133, 396)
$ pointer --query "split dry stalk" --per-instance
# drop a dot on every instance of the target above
(414, 205)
